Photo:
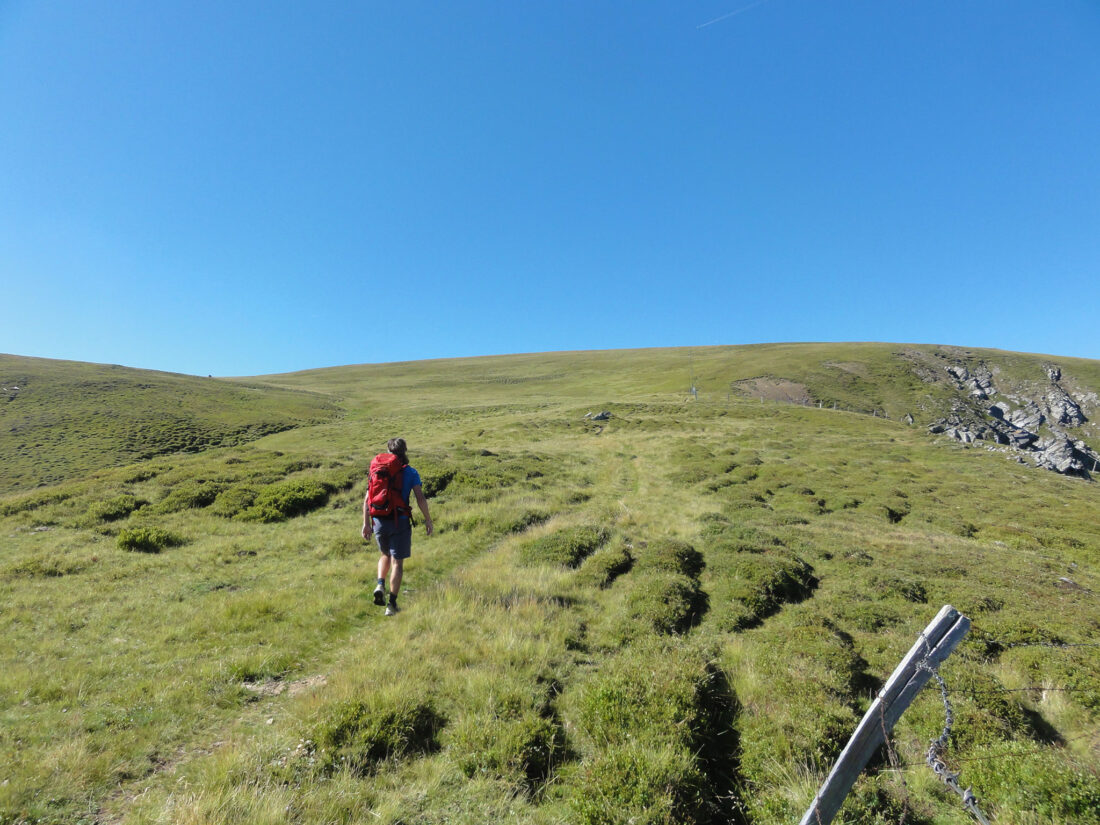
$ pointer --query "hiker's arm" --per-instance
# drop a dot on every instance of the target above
(368, 525)
(422, 503)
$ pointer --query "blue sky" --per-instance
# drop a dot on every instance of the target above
(247, 188)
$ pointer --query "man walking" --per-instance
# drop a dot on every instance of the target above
(392, 528)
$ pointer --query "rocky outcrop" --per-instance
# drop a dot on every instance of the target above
(1062, 455)
(1062, 408)
(978, 384)
(1029, 426)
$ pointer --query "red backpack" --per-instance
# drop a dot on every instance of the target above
(384, 488)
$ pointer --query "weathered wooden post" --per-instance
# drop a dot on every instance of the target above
(934, 645)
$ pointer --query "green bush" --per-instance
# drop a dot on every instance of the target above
(908, 589)
(568, 547)
(660, 689)
(762, 583)
(726, 538)
(113, 509)
(672, 556)
(526, 519)
(45, 567)
(358, 734)
(32, 502)
(147, 539)
(640, 784)
(665, 602)
(233, 501)
(523, 749)
(190, 496)
(1016, 776)
(605, 565)
(278, 502)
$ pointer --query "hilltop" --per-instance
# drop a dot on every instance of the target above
(676, 613)
(62, 419)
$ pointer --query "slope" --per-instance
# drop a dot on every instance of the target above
(62, 419)
(672, 615)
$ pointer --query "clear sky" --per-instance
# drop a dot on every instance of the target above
(239, 188)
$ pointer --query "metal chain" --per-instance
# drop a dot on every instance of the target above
(1058, 645)
(938, 746)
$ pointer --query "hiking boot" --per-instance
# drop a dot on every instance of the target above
(380, 595)
(391, 609)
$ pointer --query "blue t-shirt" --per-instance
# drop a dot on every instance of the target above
(409, 478)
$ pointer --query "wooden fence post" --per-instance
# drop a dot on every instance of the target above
(934, 645)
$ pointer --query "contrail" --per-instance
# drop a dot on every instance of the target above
(741, 10)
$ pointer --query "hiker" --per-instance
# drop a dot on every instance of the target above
(392, 527)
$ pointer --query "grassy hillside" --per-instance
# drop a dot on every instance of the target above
(674, 615)
(61, 420)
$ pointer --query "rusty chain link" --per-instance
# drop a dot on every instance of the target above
(938, 746)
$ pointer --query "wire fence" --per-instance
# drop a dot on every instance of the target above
(935, 756)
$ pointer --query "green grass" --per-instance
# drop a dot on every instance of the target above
(676, 615)
(69, 419)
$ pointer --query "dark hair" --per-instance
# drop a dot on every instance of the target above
(398, 448)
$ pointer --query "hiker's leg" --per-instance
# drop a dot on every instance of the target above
(396, 571)
(383, 565)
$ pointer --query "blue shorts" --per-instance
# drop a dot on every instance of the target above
(394, 540)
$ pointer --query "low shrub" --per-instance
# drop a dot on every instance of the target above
(278, 502)
(32, 502)
(526, 519)
(523, 749)
(605, 565)
(665, 603)
(45, 567)
(113, 509)
(672, 556)
(659, 689)
(761, 583)
(908, 589)
(147, 539)
(229, 503)
(436, 482)
(190, 496)
(727, 538)
(640, 784)
(390, 724)
(1019, 777)
(567, 547)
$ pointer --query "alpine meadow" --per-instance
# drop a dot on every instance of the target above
(664, 587)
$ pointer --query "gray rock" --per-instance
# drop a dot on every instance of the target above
(603, 416)
(1058, 453)
(1029, 417)
(1062, 408)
